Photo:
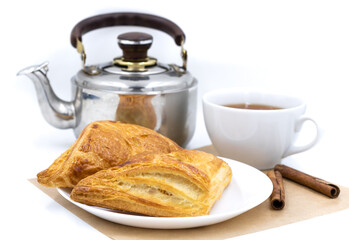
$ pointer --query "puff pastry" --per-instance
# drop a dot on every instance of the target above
(101, 145)
(177, 184)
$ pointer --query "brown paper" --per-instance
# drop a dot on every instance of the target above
(301, 204)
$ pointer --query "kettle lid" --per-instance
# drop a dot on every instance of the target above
(134, 72)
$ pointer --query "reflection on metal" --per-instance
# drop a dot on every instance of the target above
(136, 109)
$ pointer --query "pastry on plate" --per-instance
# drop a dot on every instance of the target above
(101, 145)
(177, 184)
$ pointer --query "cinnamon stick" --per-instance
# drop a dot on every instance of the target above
(314, 183)
(277, 197)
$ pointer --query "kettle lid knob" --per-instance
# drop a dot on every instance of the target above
(135, 45)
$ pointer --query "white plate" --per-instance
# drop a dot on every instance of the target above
(248, 188)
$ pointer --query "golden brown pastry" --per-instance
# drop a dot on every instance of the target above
(177, 184)
(101, 145)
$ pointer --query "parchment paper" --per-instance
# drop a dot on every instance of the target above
(301, 203)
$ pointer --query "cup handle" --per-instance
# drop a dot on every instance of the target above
(297, 149)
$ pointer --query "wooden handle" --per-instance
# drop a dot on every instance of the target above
(126, 19)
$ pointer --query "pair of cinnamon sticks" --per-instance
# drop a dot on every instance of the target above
(277, 198)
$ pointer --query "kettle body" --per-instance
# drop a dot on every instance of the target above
(132, 88)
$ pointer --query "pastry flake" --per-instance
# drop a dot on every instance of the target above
(101, 145)
(177, 184)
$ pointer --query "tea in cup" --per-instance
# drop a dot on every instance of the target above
(255, 127)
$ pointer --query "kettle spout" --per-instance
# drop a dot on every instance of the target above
(57, 112)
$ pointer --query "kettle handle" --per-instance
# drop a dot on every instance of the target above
(126, 19)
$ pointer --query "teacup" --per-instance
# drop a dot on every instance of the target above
(259, 137)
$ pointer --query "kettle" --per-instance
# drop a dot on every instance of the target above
(132, 88)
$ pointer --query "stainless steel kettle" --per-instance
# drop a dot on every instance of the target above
(133, 88)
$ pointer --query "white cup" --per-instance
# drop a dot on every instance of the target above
(260, 138)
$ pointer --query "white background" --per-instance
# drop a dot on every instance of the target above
(297, 47)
